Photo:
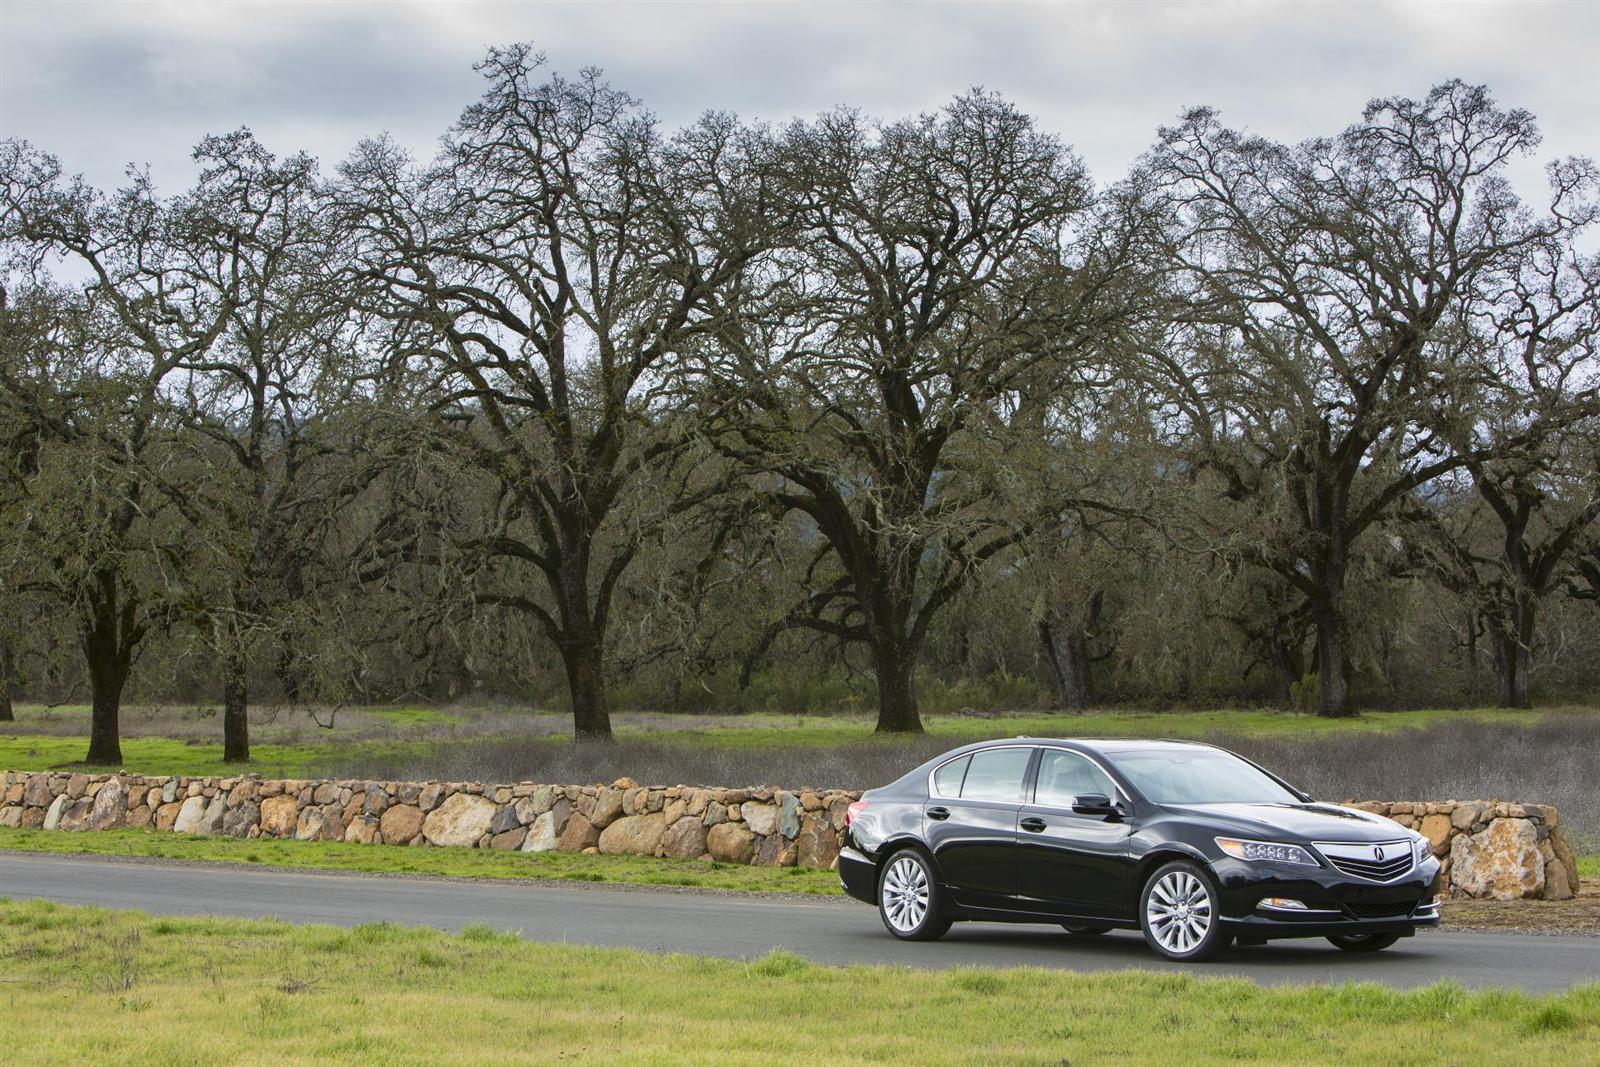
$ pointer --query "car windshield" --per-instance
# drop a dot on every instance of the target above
(1199, 776)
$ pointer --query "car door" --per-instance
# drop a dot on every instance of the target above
(970, 823)
(1071, 864)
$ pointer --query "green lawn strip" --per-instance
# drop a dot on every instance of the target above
(410, 716)
(91, 985)
(457, 862)
(1589, 866)
(144, 755)
(756, 731)
(155, 755)
(400, 715)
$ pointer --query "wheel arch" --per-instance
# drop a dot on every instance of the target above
(901, 842)
(1164, 854)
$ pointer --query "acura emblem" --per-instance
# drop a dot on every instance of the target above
(1377, 853)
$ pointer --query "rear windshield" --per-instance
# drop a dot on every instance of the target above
(1199, 776)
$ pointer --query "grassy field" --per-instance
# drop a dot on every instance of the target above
(187, 740)
(84, 985)
(181, 740)
(454, 862)
(155, 755)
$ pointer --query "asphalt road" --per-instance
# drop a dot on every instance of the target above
(738, 926)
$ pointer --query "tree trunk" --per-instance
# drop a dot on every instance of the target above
(1333, 666)
(288, 671)
(8, 667)
(1512, 641)
(1287, 669)
(1066, 647)
(591, 719)
(109, 634)
(107, 676)
(897, 689)
(235, 709)
(105, 745)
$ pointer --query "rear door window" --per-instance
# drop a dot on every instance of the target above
(947, 779)
(997, 774)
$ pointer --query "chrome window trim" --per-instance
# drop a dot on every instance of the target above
(1118, 796)
(932, 792)
(1121, 798)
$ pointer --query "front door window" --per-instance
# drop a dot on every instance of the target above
(1064, 775)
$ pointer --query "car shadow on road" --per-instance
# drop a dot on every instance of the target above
(1127, 946)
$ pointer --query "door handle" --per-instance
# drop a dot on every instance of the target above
(938, 813)
(1032, 824)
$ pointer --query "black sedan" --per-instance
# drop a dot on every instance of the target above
(1192, 844)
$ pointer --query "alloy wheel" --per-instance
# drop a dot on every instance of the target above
(905, 894)
(1178, 912)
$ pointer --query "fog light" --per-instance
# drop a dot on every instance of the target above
(1282, 904)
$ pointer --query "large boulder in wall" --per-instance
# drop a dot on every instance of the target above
(461, 820)
(634, 835)
(1503, 862)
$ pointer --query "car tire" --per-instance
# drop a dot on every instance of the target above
(1362, 942)
(910, 900)
(1085, 929)
(1180, 914)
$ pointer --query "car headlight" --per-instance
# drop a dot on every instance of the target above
(1423, 850)
(1264, 850)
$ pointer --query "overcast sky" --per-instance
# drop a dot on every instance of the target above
(103, 85)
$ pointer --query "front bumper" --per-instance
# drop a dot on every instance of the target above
(1336, 903)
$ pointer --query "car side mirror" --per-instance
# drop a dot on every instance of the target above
(1094, 804)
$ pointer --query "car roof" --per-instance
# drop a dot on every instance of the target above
(1104, 744)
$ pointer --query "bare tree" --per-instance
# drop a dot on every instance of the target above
(256, 239)
(1326, 286)
(867, 369)
(1094, 512)
(103, 394)
(1531, 435)
(541, 272)
(19, 436)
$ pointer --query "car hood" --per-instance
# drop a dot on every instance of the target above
(1309, 822)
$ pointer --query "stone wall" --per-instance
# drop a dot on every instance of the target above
(1489, 848)
(763, 826)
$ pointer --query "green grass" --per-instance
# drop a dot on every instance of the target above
(414, 716)
(760, 730)
(89, 985)
(457, 862)
(1589, 866)
(156, 755)
(145, 755)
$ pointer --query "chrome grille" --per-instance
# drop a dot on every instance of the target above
(1376, 861)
